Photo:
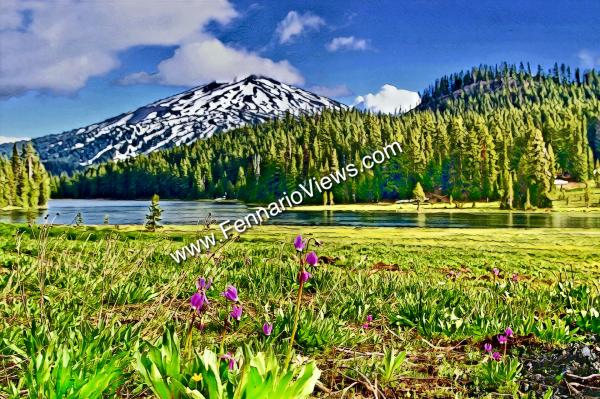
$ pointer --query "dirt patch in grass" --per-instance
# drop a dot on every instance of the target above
(571, 372)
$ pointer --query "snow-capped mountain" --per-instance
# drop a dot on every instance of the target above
(181, 119)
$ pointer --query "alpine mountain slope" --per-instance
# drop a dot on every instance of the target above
(181, 119)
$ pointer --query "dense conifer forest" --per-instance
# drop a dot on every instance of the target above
(491, 133)
(24, 182)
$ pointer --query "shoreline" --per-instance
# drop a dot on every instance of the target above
(481, 207)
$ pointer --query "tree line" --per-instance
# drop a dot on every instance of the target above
(491, 133)
(24, 182)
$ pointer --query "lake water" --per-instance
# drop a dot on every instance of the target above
(189, 212)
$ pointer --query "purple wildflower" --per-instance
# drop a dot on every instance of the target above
(369, 318)
(502, 339)
(229, 356)
(236, 313)
(515, 277)
(312, 258)
(231, 294)
(365, 326)
(198, 301)
(267, 329)
(508, 332)
(202, 284)
(304, 276)
(496, 356)
(299, 243)
(487, 347)
(496, 271)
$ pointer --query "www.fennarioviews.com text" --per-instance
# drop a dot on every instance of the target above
(309, 189)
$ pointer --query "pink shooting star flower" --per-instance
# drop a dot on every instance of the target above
(299, 243)
(304, 276)
(496, 356)
(515, 277)
(202, 284)
(231, 294)
(508, 332)
(198, 301)
(496, 271)
(312, 258)
(502, 340)
(487, 347)
(236, 313)
(267, 329)
(229, 357)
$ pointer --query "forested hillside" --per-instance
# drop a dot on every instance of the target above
(498, 132)
(24, 182)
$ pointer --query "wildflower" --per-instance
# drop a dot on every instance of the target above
(365, 326)
(312, 258)
(197, 377)
(487, 347)
(515, 277)
(236, 313)
(496, 271)
(502, 339)
(229, 356)
(369, 318)
(299, 244)
(198, 301)
(231, 294)
(496, 356)
(202, 284)
(508, 332)
(267, 329)
(304, 276)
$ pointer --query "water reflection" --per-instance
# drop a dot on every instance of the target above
(190, 212)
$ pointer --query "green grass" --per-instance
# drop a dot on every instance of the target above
(102, 295)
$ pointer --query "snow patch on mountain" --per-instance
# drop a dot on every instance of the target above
(6, 139)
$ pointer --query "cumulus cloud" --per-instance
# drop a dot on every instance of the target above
(5, 139)
(588, 59)
(331, 91)
(347, 43)
(294, 24)
(59, 45)
(209, 59)
(389, 100)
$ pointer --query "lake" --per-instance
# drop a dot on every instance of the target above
(63, 211)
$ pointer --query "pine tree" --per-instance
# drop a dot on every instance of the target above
(154, 214)
(419, 195)
(78, 219)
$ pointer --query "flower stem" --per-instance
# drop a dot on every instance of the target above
(296, 317)
(188, 342)
(222, 346)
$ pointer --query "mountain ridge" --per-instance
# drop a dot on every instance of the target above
(181, 119)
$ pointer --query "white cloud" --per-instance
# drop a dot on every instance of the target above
(295, 24)
(5, 139)
(389, 100)
(209, 59)
(331, 91)
(588, 59)
(63, 43)
(347, 43)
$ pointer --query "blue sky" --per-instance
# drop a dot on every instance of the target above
(69, 64)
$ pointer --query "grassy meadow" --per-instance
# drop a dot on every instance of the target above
(386, 313)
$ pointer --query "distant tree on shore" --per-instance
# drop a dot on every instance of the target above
(154, 214)
(419, 195)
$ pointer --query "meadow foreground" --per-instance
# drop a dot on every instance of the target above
(99, 311)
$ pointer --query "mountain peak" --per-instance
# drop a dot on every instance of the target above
(181, 119)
